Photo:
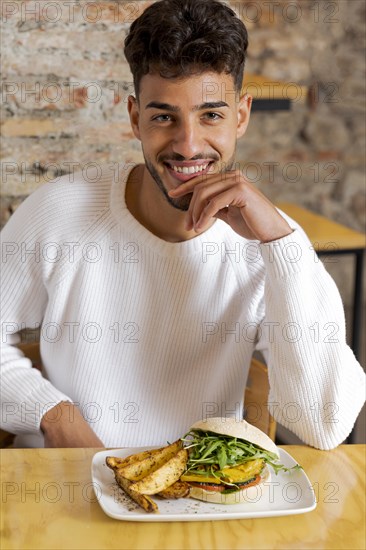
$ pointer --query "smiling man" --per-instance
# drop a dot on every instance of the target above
(193, 270)
(188, 138)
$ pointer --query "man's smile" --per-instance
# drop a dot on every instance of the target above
(186, 170)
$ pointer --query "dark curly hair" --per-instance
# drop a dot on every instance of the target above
(177, 38)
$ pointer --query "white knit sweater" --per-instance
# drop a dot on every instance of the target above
(148, 336)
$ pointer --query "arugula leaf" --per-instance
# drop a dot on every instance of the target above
(210, 452)
(222, 457)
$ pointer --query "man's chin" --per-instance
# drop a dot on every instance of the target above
(181, 203)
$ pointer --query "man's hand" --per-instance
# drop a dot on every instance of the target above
(64, 426)
(232, 198)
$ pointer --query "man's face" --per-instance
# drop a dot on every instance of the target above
(187, 127)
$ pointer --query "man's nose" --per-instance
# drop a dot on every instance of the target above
(187, 140)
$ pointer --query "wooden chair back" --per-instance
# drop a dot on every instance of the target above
(256, 399)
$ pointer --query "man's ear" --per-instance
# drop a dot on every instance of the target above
(244, 108)
(133, 111)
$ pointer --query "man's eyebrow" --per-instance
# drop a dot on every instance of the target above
(162, 106)
(210, 105)
(175, 109)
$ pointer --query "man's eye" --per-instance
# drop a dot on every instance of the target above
(162, 118)
(212, 116)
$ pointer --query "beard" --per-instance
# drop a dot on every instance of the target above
(181, 203)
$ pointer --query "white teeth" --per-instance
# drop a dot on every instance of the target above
(189, 169)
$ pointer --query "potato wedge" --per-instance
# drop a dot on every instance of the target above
(115, 462)
(164, 476)
(144, 501)
(136, 471)
(179, 489)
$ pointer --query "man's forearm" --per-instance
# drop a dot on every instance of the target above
(317, 385)
(64, 426)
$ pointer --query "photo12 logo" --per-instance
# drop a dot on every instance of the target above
(70, 11)
(287, 11)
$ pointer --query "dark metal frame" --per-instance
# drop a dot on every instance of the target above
(271, 105)
(358, 253)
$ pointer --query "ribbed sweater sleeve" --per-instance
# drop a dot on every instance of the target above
(32, 243)
(317, 387)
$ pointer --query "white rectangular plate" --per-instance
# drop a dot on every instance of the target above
(287, 493)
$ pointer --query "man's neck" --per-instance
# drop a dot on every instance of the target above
(148, 205)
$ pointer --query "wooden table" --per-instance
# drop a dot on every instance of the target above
(47, 502)
(332, 238)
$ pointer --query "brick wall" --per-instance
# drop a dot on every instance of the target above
(66, 82)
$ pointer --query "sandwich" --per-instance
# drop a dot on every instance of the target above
(228, 459)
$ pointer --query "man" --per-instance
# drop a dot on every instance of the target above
(164, 283)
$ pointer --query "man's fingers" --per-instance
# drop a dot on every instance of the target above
(186, 187)
(217, 204)
(203, 195)
(203, 180)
